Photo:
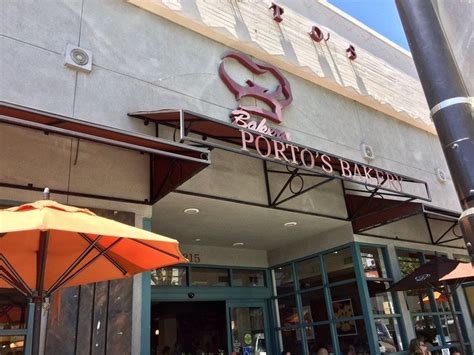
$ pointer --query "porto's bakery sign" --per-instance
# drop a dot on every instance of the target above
(275, 144)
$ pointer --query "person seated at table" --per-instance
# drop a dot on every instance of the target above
(418, 347)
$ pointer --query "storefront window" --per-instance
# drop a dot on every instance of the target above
(12, 344)
(209, 277)
(352, 337)
(291, 340)
(408, 261)
(319, 337)
(372, 262)
(284, 279)
(425, 327)
(309, 273)
(287, 311)
(248, 278)
(339, 265)
(314, 306)
(169, 276)
(382, 302)
(388, 335)
(418, 301)
(346, 301)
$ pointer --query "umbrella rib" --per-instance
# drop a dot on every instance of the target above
(51, 290)
(76, 262)
(108, 257)
(155, 248)
(6, 273)
(8, 281)
(14, 273)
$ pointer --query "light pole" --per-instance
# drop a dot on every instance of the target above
(448, 100)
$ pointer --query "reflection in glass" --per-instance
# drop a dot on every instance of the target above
(319, 337)
(346, 301)
(449, 330)
(388, 335)
(381, 302)
(12, 344)
(352, 337)
(314, 306)
(287, 311)
(283, 279)
(248, 278)
(372, 262)
(291, 340)
(169, 276)
(408, 261)
(418, 301)
(309, 273)
(209, 277)
(425, 327)
(339, 265)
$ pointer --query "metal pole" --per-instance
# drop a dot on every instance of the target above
(448, 100)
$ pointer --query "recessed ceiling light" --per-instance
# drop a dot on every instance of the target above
(290, 224)
(191, 211)
(238, 244)
(197, 239)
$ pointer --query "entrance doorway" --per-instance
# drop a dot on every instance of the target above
(191, 328)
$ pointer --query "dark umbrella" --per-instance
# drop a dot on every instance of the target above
(442, 274)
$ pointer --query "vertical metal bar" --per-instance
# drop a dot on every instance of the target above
(29, 325)
(145, 303)
(267, 183)
(328, 300)
(429, 228)
(365, 300)
(455, 318)
(448, 100)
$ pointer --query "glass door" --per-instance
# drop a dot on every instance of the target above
(247, 328)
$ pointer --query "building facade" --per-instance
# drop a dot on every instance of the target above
(285, 145)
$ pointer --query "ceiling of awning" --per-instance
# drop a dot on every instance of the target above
(171, 163)
(370, 213)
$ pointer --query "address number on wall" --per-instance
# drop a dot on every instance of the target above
(193, 258)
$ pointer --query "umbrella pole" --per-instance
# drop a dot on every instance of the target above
(455, 318)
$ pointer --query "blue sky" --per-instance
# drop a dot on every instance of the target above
(380, 15)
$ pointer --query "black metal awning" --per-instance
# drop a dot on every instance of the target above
(205, 131)
(366, 214)
(171, 163)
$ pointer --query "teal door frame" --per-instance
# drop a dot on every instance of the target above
(264, 304)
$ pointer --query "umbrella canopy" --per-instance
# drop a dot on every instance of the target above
(436, 273)
(46, 245)
(439, 273)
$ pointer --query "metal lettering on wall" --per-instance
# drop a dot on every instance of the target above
(268, 148)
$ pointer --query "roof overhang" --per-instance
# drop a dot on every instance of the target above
(171, 163)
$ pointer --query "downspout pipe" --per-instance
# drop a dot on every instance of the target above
(448, 100)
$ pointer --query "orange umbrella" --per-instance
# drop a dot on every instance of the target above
(438, 296)
(45, 246)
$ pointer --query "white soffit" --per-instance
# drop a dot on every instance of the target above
(221, 223)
